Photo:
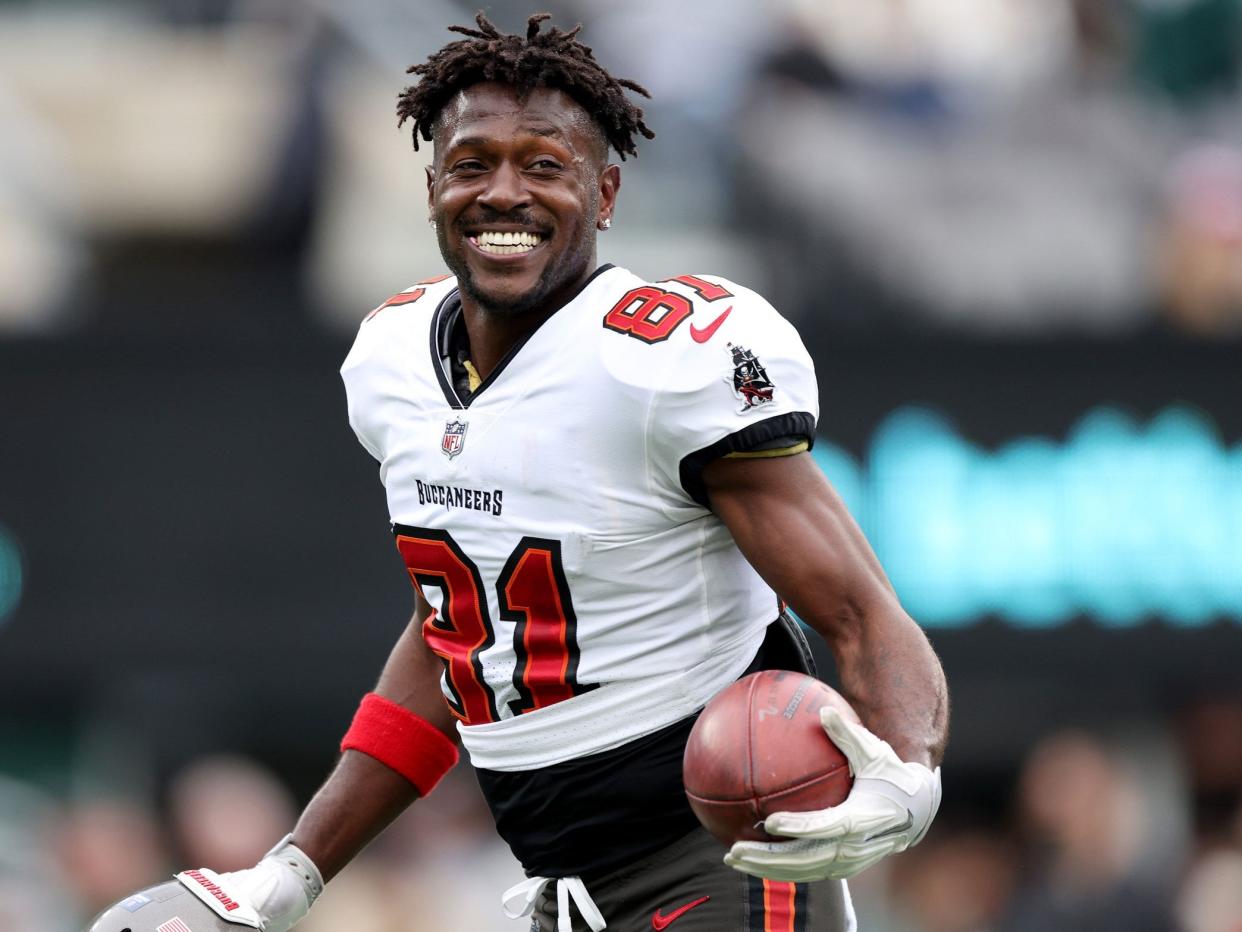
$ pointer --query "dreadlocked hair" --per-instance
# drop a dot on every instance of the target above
(553, 59)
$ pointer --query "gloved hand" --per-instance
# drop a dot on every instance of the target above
(889, 809)
(272, 896)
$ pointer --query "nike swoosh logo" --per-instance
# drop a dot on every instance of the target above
(702, 336)
(896, 829)
(659, 921)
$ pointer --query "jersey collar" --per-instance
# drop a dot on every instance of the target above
(450, 346)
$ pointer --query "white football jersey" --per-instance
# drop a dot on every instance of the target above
(584, 594)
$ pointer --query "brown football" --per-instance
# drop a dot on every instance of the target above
(759, 748)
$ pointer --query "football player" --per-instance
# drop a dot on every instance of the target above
(599, 485)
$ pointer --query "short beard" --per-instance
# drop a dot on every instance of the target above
(535, 300)
(500, 307)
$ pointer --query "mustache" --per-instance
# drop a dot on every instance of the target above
(522, 218)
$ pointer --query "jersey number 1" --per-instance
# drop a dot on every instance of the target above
(532, 593)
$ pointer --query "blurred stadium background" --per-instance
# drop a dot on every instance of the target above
(1009, 230)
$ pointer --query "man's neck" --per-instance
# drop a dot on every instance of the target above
(493, 335)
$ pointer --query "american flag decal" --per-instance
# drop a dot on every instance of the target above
(173, 925)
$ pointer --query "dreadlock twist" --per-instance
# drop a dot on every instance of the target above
(542, 59)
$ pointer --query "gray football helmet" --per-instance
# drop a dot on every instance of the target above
(166, 907)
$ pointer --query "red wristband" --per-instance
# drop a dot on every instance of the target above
(399, 739)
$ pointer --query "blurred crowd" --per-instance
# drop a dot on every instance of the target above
(1137, 830)
(1018, 167)
(983, 166)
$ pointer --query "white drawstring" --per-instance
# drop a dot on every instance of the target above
(527, 893)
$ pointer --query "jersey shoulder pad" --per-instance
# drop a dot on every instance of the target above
(400, 318)
(702, 287)
(420, 291)
(687, 310)
(669, 312)
(724, 313)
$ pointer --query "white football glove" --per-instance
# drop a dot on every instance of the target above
(889, 809)
(271, 896)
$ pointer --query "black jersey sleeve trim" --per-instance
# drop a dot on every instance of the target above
(799, 424)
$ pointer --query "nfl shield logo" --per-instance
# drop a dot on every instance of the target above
(454, 438)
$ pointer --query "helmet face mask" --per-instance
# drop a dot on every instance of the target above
(166, 907)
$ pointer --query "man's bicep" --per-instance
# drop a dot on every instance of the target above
(797, 533)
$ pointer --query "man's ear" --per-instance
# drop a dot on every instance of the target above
(609, 185)
(431, 181)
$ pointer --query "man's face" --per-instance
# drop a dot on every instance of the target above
(516, 189)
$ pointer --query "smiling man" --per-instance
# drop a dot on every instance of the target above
(519, 183)
(599, 485)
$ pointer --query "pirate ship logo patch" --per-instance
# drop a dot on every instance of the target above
(750, 380)
(454, 438)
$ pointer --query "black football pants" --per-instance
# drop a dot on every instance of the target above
(686, 887)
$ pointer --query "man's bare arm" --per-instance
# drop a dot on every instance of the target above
(794, 529)
(362, 796)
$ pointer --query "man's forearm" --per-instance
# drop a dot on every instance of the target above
(891, 676)
(359, 800)
(362, 796)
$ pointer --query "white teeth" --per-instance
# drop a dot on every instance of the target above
(503, 250)
(506, 244)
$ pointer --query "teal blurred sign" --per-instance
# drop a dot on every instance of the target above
(10, 573)
(1122, 521)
